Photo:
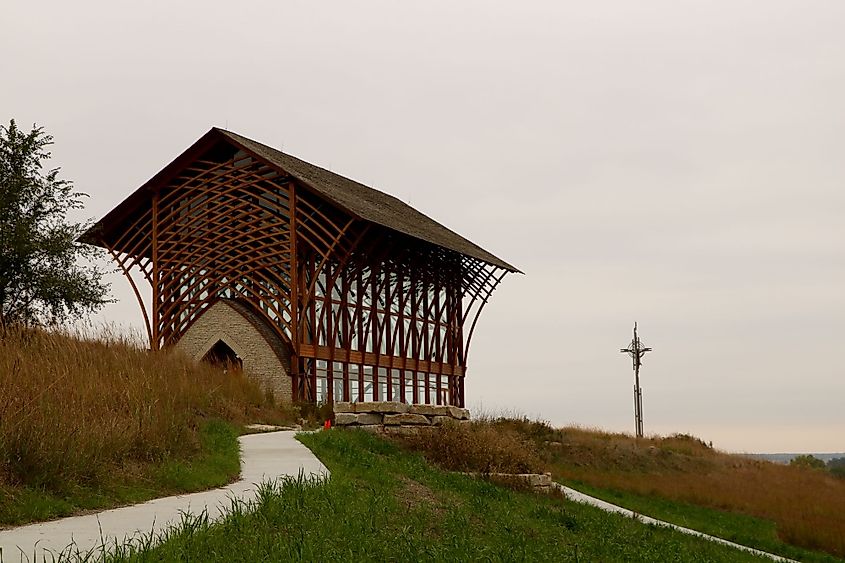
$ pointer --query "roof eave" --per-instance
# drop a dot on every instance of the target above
(95, 234)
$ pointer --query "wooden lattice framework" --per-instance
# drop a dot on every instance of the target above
(369, 311)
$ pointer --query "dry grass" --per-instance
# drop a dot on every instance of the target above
(477, 447)
(73, 409)
(805, 504)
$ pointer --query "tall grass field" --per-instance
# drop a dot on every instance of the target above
(802, 507)
(88, 423)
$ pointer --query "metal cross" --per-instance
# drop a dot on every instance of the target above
(637, 350)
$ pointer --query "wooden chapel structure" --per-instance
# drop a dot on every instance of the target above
(361, 296)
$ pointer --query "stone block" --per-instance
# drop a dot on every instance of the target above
(369, 419)
(432, 410)
(383, 407)
(459, 413)
(539, 480)
(345, 419)
(402, 430)
(405, 419)
(343, 407)
(440, 420)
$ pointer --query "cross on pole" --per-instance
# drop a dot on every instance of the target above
(637, 350)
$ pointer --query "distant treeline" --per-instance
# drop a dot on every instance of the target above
(835, 463)
(786, 458)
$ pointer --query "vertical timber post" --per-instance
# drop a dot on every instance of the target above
(294, 281)
(156, 296)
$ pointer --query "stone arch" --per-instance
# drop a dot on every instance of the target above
(264, 356)
(221, 354)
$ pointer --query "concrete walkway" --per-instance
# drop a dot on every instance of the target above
(578, 496)
(264, 457)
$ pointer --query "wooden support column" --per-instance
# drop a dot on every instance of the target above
(359, 327)
(438, 350)
(293, 273)
(156, 297)
(386, 330)
(426, 344)
(415, 332)
(372, 342)
(327, 308)
(344, 331)
(402, 348)
(295, 279)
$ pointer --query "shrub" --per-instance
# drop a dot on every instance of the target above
(481, 447)
(807, 460)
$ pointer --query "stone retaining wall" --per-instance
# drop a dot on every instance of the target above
(537, 482)
(402, 418)
(399, 417)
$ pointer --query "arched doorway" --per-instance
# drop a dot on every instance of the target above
(221, 355)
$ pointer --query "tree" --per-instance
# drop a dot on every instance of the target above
(44, 279)
(807, 460)
(837, 466)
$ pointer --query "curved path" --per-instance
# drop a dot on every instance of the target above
(578, 496)
(264, 457)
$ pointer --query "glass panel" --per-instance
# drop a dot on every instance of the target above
(337, 373)
(395, 378)
(353, 383)
(409, 387)
(420, 387)
(322, 383)
(432, 384)
(368, 383)
(383, 384)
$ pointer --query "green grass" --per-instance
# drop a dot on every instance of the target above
(385, 504)
(216, 463)
(739, 528)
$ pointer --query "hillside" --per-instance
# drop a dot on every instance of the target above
(93, 423)
(783, 506)
(88, 424)
(383, 503)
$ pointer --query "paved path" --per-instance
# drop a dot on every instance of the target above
(264, 457)
(578, 496)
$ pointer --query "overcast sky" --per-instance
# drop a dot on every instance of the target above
(675, 163)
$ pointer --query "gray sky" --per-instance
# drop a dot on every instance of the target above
(672, 162)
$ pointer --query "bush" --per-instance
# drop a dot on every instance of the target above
(479, 447)
(807, 460)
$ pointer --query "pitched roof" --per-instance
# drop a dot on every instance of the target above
(368, 203)
(360, 200)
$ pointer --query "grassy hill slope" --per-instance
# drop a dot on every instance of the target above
(384, 503)
(684, 480)
(89, 424)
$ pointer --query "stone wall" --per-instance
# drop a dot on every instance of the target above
(399, 417)
(537, 482)
(264, 357)
(402, 418)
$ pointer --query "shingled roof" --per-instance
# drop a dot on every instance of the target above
(362, 201)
